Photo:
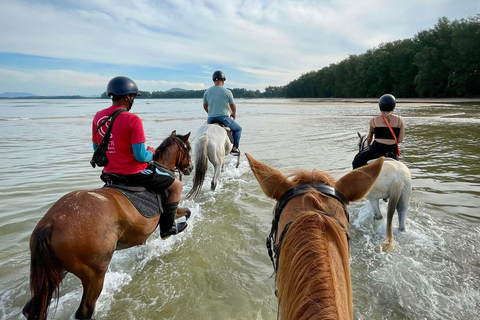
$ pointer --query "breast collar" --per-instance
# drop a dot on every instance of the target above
(274, 250)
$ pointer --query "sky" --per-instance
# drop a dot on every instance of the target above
(72, 47)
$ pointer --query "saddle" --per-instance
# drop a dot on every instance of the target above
(229, 131)
(389, 156)
(147, 202)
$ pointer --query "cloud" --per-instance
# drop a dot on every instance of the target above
(259, 43)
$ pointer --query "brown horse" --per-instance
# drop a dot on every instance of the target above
(82, 230)
(310, 238)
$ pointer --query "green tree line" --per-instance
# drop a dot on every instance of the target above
(440, 62)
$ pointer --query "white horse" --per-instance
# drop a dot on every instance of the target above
(393, 183)
(212, 144)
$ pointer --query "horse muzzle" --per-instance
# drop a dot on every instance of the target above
(188, 170)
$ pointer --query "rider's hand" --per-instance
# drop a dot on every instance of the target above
(152, 150)
(233, 116)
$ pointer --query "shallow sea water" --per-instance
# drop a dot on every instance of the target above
(219, 267)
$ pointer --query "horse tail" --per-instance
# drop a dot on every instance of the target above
(201, 165)
(45, 273)
(396, 190)
(306, 269)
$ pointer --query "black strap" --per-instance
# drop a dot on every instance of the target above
(274, 250)
(106, 137)
(112, 117)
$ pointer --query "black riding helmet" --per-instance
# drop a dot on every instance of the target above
(218, 75)
(387, 102)
(121, 86)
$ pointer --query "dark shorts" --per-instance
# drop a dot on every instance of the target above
(376, 150)
(154, 177)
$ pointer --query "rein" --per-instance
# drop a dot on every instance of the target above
(183, 150)
(274, 249)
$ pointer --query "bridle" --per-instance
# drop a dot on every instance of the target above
(183, 150)
(274, 249)
(361, 143)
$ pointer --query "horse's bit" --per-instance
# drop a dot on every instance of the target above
(274, 249)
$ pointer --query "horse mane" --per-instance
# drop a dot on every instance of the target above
(305, 268)
(163, 151)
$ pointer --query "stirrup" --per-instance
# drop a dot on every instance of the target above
(235, 153)
(175, 229)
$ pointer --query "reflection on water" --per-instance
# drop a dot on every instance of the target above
(219, 268)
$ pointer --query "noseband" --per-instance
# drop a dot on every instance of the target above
(274, 249)
(183, 150)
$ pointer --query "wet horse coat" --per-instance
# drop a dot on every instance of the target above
(211, 144)
(395, 184)
(82, 230)
(313, 269)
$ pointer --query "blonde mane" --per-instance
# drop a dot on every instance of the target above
(305, 282)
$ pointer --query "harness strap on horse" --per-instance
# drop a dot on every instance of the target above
(393, 133)
(274, 250)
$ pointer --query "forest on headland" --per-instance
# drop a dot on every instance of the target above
(442, 62)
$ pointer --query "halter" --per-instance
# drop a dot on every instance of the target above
(274, 249)
(183, 150)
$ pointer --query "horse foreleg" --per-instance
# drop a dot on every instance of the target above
(92, 287)
(377, 214)
(183, 212)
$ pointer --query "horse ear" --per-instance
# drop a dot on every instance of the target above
(356, 184)
(359, 135)
(185, 137)
(174, 133)
(273, 183)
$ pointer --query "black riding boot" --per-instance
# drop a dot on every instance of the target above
(167, 223)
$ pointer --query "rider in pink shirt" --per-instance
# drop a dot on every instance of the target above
(129, 161)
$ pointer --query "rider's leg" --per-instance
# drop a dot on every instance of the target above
(167, 223)
(237, 134)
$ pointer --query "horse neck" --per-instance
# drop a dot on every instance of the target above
(314, 262)
(169, 157)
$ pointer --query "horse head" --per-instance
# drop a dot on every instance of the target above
(175, 153)
(311, 235)
(362, 142)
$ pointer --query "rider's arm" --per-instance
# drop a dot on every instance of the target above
(142, 154)
(205, 106)
(233, 108)
(402, 129)
(370, 133)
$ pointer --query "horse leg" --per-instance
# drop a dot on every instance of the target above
(216, 174)
(376, 209)
(183, 212)
(402, 212)
(92, 287)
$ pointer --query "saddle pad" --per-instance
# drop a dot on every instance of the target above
(145, 201)
(229, 131)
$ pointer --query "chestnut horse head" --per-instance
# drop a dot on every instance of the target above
(175, 158)
(82, 230)
(311, 238)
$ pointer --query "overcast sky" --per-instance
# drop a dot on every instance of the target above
(72, 47)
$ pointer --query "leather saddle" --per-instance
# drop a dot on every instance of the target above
(147, 202)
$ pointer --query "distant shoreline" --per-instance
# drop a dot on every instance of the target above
(336, 101)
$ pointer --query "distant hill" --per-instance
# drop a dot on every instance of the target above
(16, 95)
(176, 89)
